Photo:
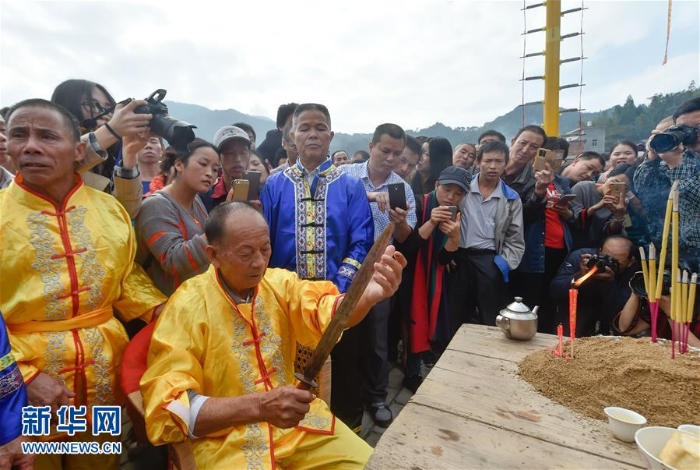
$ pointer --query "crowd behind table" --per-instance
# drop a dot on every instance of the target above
(103, 221)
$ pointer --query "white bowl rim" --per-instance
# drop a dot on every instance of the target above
(646, 452)
(641, 420)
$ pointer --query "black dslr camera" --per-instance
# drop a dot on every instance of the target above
(673, 137)
(602, 261)
(178, 133)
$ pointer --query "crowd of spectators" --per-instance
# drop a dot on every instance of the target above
(479, 225)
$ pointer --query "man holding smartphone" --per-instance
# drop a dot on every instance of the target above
(234, 147)
(378, 177)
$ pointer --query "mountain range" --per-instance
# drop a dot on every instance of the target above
(621, 121)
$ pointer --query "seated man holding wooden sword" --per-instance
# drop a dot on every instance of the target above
(220, 365)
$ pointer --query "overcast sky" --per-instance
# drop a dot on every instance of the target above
(412, 62)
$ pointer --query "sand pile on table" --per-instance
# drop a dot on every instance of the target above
(626, 372)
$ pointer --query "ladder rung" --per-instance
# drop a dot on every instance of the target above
(533, 54)
(572, 85)
(529, 7)
(573, 10)
(532, 102)
(538, 30)
(527, 79)
(572, 59)
(569, 36)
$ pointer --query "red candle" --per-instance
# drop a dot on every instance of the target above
(573, 300)
(560, 335)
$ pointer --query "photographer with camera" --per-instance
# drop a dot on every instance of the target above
(102, 122)
(603, 295)
(673, 155)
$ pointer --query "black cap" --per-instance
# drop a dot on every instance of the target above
(455, 175)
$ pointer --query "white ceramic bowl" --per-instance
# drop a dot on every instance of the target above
(624, 423)
(690, 428)
(651, 441)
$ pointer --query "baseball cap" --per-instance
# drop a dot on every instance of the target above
(455, 175)
(230, 132)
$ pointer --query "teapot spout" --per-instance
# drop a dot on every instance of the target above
(534, 310)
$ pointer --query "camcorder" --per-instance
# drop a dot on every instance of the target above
(178, 133)
(602, 261)
(673, 137)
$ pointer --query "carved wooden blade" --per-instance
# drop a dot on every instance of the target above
(340, 319)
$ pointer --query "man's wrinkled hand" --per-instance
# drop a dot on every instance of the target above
(387, 275)
(46, 390)
(284, 407)
(11, 455)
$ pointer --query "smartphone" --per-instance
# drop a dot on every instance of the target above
(539, 163)
(453, 210)
(617, 188)
(397, 196)
(565, 200)
(240, 190)
(253, 178)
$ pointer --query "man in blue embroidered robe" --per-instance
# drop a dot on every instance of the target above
(321, 227)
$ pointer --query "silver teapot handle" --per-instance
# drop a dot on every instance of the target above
(503, 323)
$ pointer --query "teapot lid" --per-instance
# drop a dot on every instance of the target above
(518, 306)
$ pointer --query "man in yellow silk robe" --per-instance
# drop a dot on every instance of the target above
(221, 361)
(67, 267)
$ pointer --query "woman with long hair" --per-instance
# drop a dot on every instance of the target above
(437, 155)
(170, 226)
(104, 123)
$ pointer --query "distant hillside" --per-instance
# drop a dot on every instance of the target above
(629, 121)
(209, 121)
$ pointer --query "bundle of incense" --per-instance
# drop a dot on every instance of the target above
(649, 273)
(675, 274)
(664, 241)
(651, 293)
(682, 313)
(690, 307)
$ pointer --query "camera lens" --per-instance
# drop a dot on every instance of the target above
(662, 143)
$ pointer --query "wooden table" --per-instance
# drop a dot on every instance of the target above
(473, 411)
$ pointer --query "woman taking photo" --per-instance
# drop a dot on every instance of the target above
(104, 123)
(601, 208)
(170, 226)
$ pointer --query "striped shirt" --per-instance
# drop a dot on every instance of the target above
(171, 241)
(381, 219)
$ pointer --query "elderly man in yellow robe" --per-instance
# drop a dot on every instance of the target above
(67, 267)
(220, 365)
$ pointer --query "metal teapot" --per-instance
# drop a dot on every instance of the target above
(517, 321)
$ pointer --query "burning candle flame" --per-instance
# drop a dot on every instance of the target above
(586, 276)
